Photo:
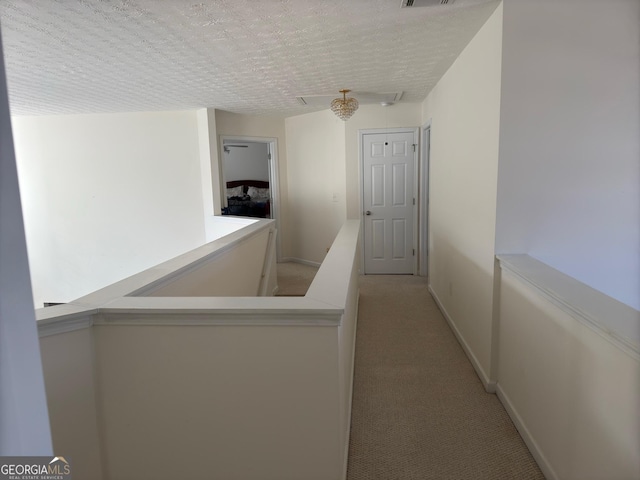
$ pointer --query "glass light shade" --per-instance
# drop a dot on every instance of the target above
(344, 107)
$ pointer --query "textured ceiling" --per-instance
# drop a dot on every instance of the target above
(254, 57)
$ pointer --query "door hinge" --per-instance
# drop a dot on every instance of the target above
(414, 252)
(414, 201)
(414, 147)
(268, 156)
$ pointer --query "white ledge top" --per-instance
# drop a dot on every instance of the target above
(65, 310)
(209, 304)
(63, 318)
(607, 315)
(190, 311)
(140, 281)
(118, 304)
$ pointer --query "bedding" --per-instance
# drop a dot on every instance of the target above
(258, 193)
(248, 198)
(235, 192)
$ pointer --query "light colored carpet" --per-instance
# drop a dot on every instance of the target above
(294, 279)
(419, 410)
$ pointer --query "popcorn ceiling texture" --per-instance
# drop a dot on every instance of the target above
(244, 56)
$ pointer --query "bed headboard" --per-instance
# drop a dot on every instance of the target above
(248, 183)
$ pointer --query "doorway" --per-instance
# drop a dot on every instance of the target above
(389, 187)
(423, 250)
(246, 179)
(249, 178)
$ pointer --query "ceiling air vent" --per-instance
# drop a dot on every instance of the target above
(425, 3)
(362, 97)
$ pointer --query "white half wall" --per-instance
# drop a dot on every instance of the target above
(464, 110)
(106, 196)
(255, 387)
(237, 272)
(571, 387)
(569, 185)
(68, 367)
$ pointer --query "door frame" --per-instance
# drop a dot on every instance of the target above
(274, 184)
(424, 175)
(368, 131)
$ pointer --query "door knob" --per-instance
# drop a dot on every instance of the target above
(368, 212)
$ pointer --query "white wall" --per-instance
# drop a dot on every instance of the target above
(233, 124)
(569, 185)
(209, 171)
(251, 163)
(464, 112)
(316, 180)
(106, 196)
(24, 422)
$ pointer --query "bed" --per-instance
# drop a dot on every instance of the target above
(248, 198)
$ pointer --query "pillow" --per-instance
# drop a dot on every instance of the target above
(258, 193)
(235, 191)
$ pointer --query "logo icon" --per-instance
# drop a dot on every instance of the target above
(34, 468)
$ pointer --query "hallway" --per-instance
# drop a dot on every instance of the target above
(419, 410)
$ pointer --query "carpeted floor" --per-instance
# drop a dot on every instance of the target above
(419, 409)
(294, 279)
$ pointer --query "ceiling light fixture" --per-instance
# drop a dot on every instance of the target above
(344, 107)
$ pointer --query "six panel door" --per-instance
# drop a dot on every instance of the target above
(388, 169)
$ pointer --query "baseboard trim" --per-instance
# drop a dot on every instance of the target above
(300, 260)
(532, 445)
(489, 385)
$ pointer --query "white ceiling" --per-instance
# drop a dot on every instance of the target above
(243, 56)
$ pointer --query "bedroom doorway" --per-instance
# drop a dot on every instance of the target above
(246, 179)
(249, 177)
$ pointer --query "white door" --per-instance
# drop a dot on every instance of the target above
(388, 184)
